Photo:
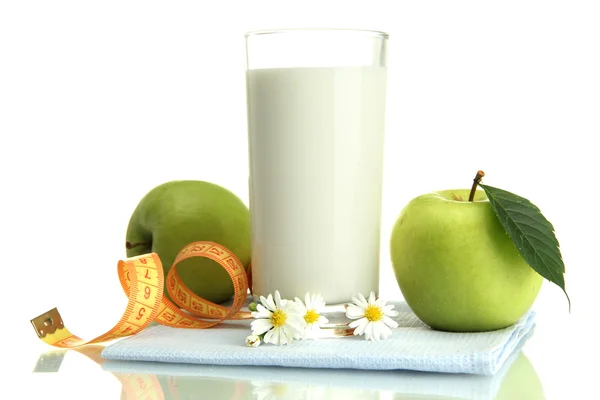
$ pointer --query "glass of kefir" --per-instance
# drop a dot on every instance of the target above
(316, 102)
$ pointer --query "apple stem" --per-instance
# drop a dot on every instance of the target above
(129, 245)
(480, 174)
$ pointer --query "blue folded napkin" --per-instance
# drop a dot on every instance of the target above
(412, 346)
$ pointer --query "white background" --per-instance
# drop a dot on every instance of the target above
(102, 101)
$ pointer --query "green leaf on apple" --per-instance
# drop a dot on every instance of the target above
(531, 232)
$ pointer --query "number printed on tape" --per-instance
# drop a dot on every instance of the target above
(147, 303)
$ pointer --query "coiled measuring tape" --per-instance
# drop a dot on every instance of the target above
(142, 280)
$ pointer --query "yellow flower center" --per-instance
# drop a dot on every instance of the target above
(373, 313)
(278, 318)
(311, 317)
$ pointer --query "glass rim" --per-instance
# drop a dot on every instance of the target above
(366, 32)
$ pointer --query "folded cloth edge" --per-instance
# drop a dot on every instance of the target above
(490, 365)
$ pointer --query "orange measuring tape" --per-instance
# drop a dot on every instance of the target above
(142, 279)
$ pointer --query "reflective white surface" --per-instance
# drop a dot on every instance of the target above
(180, 381)
(550, 366)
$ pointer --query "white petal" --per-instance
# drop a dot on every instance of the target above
(363, 301)
(319, 303)
(300, 305)
(270, 337)
(296, 326)
(260, 326)
(292, 309)
(289, 336)
(307, 300)
(361, 326)
(377, 330)
(372, 298)
(369, 331)
(296, 318)
(289, 307)
(322, 320)
(389, 322)
(276, 336)
(356, 323)
(384, 330)
(309, 333)
(354, 312)
(261, 312)
(297, 334)
(388, 308)
(283, 339)
(278, 299)
(380, 302)
(263, 301)
(270, 303)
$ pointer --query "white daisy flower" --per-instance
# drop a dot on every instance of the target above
(278, 320)
(311, 310)
(374, 314)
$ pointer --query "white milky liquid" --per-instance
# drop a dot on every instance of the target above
(316, 154)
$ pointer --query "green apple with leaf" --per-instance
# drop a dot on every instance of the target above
(177, 213)
(473, 260)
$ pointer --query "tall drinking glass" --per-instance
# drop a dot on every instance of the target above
(316, 110)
